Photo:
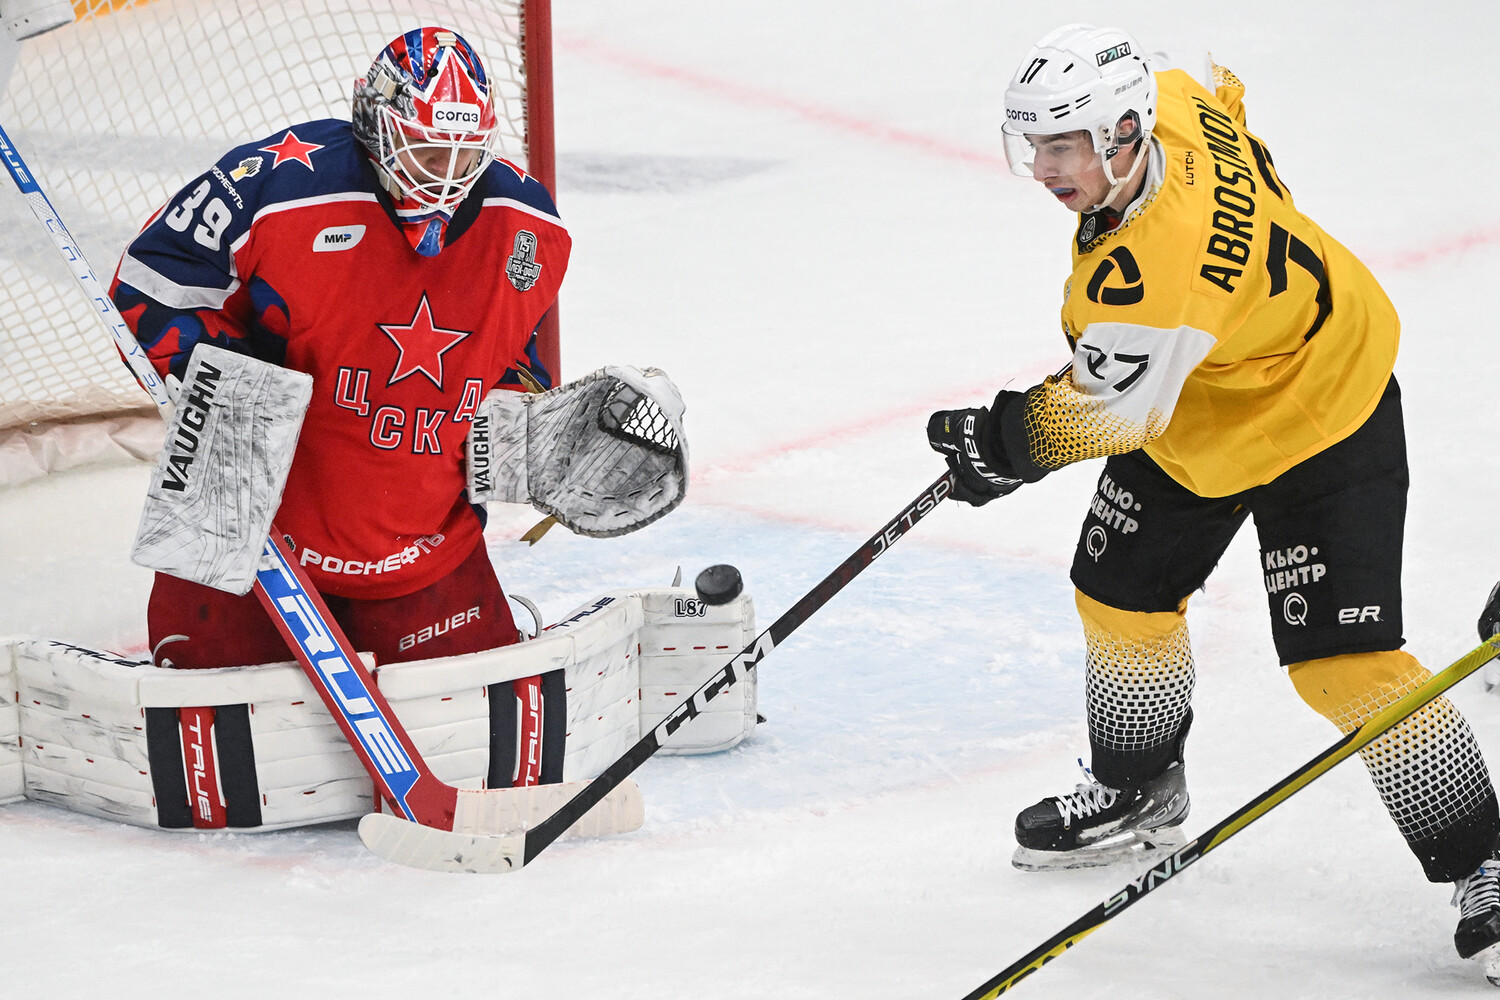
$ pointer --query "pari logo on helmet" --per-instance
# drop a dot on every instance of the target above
(425, 114)
(1080, 78)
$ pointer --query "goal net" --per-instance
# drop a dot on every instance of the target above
(117, 111)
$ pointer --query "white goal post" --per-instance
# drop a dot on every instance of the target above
(118, 109)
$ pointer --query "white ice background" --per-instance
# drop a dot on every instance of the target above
(799, 209)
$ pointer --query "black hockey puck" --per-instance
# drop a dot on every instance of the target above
(719, 584)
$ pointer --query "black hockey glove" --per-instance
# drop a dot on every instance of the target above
(980, 473)
(1489, 618)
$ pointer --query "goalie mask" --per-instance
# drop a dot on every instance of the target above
(425, 114)
(1081, 78)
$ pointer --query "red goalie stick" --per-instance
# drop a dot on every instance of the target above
(460, 824)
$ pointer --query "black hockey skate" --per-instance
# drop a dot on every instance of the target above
(1478, 900)
(1097, 825)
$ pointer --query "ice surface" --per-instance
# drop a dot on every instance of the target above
(798, 208)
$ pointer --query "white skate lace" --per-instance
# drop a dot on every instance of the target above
(1086, 799)
(1479, 892)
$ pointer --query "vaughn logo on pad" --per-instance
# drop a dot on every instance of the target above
(337, 238)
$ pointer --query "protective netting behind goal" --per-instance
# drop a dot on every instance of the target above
(116, 112)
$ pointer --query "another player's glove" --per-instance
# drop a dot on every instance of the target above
(980, 470)
(1489, 618)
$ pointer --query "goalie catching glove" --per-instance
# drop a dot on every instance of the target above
(605, 455)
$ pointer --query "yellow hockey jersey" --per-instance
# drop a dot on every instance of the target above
(1216, 327)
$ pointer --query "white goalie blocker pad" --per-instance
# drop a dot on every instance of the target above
(220, 474)
(605, 455)
(84, 730)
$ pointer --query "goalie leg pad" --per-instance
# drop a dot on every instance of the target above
(203, 767)
(122, 739)
(12, 777)
(528, 731)
(1428, 768)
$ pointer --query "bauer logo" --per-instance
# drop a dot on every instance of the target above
(451, 117)
(338, 238)
(1112, 53)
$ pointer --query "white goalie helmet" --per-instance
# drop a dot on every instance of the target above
(425, 113)
(1080, 77)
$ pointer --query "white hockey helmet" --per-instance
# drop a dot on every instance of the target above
(1080, 77)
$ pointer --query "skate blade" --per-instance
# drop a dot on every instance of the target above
(1490, 959)
(1131, 848)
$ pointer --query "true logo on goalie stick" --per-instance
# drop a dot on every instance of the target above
(522, 268)
(13, 161)
(193, 416)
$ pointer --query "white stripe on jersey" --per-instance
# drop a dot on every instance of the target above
(154, 284)
(1136, 371)
(521, 206)
(296, 203)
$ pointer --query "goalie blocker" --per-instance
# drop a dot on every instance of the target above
(124, 740)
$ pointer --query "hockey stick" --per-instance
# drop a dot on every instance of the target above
(377, 737)
(407, 843)
(1347, 747)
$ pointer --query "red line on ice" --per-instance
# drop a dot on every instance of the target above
(760, 98)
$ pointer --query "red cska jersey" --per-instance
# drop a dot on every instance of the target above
(288, 250)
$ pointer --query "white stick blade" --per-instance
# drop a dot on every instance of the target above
(406, 843)
(489, 834)
(513, 810)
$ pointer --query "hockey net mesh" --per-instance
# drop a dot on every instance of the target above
(115, 112)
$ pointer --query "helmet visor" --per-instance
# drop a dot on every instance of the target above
(1065, 154)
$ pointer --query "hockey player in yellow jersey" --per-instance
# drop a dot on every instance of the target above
(1229, 360)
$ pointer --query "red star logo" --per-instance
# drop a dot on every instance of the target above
(422, 345)
(292, 148)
